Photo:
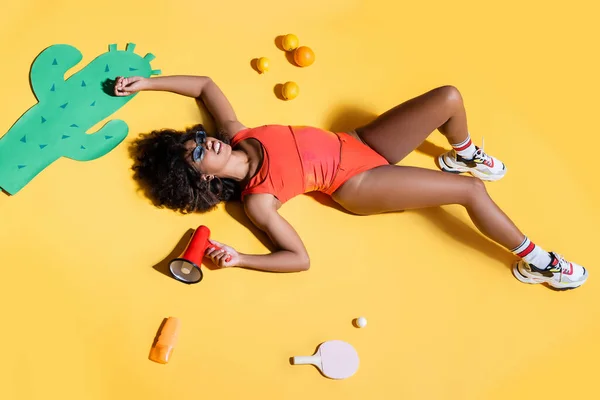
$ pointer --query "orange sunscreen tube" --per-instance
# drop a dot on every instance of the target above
(166, 342)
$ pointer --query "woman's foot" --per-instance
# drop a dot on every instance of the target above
(482, 165)
(560, 273)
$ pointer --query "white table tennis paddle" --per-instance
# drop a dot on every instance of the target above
(335, 359)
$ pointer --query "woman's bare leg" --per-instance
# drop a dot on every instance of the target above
(399, 131)
(394, 188)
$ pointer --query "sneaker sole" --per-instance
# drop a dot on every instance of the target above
(457, 169)
(553, 285)
(523, 278)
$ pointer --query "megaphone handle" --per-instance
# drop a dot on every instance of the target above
(219, 248)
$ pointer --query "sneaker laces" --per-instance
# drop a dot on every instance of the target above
(479, 153)
(563, 264)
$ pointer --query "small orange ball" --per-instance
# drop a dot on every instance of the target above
(304, 56)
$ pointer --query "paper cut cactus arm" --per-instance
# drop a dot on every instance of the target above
(49, 69)
(101, 142)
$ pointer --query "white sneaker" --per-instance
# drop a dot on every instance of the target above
(482, 165)
(560, 273)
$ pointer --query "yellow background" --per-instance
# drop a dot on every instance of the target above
(81, 301)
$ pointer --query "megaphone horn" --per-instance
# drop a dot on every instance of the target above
(186, 267)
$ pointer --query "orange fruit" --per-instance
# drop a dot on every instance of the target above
(262, 64)
(290, 42)
(304, 56)
(290, 90)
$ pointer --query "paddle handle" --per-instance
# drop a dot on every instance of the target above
(299, 360)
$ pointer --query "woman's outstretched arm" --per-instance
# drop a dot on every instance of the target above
(199, 87)
(290, 256)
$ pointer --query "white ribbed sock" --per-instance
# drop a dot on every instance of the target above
(532, 254)
(465, 149)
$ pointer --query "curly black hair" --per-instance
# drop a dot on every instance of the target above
(169, 180)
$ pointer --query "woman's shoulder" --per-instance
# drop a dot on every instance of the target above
(259, 131)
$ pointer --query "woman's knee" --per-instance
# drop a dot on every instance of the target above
(476, 191)
(450, 94)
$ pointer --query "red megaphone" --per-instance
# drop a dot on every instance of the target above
(186, 268)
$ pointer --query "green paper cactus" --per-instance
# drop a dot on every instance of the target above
(57, 125)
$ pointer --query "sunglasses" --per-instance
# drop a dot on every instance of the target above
(198, 153)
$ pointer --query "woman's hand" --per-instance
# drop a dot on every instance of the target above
(128, 86)
(218, 257)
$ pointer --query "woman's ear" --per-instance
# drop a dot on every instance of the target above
(208, 178)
